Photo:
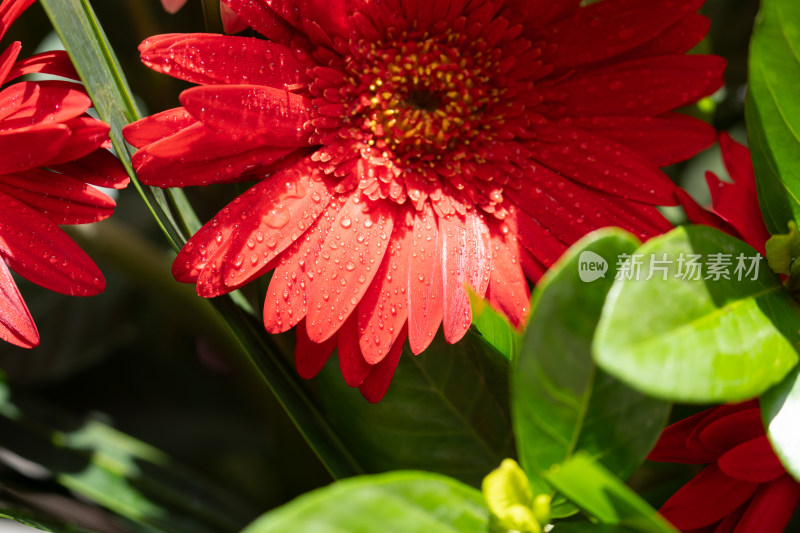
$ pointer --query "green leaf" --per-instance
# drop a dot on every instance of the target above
(595, 490)
(401, 502)
(561, 402)
(446, 411)
(780, 407)
(493, 326)
(698, 340)
(773, 110)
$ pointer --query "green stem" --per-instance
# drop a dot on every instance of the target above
(211, 16)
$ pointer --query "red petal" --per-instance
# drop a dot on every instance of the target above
(329, 14)
(7, 59)
(16, 323)
(30, 147)
(537, 238)
(620, 26)
(673, 445)
(245, 110)
(467, 260)
(379, 379)
(27, 103)
(663, 140)
(231, 22)
(603, 165)
(287, 296)
(55, 62)
(541, 11)
(86, 135)
(678, 39)
(706, 499)
(737, 203)
(99, 168)
(172, 6)
(9, 11)
(284, 208)
(650, 86)
(772, 507)
(349, 259)
(753, 460)
(206, 58)
(731, 430)
(354, 368)
(262, 19)
(310, 357)
(383, 310)
(508, 291)
(425, 296)
(199, 156)
(62, 199)
(698, 215)
(156, 127)
(39, 251)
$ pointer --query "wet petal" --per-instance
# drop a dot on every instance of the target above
(206, 58)
(9, 11)
(310, 357)
(55, 62)
(27, 103)
(360, 238)
(466, 260)
(383, 310)
(7, 59)
(262, 19)
(16, 323)
(352, 364)
(425, 296)
(156, 127)
(16, 154)
(87, 134)
(508, 291)
(99, 168)
(377, 383)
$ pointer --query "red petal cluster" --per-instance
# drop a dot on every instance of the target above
(403, 149)
(744, 487)
(51, 150)
(735, 208)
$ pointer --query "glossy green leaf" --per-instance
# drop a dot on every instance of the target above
(698, 340)
(493, 326)
(780, 407)
(561, 402)
(401, 502)
(773, 111)
(595, 490)
(446, 411)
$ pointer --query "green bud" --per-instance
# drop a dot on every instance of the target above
(510, 499)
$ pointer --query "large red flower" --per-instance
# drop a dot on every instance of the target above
(744, 488)
(405, 148)
(50, 151)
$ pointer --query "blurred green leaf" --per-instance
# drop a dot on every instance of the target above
(115, 470)
(446, 411)
(698, 340)
(773, 111)
(561, 402)
(493, 326)
(401, 502)
(595, 490)
(781, 410)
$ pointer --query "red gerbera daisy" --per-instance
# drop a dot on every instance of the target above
(405, 148)
(50, 150)
(230, 20)
(744, 487)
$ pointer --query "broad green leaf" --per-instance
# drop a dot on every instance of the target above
(446, 411)
(595, 490)
(493, 326)
(684, 335)
(780, 407)
(773, 110)
(86, 42)
(400, 502)
(561, 402)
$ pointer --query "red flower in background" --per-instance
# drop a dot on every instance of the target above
(230, 20)
(405, 148)
(744, 488)
(50, 150)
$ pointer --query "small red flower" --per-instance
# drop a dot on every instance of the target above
(405, 148)
(735, 208)
(744, 488)
(50, 150)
